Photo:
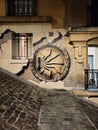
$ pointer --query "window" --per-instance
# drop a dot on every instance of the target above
(21, 7)
(91, 61)
(21, 46)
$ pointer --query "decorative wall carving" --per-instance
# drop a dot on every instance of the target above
(79, 51)
(50, 63)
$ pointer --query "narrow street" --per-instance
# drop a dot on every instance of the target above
(60, 111)
(25, 106)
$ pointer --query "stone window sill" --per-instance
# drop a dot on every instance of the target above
(18, 61)
(25, 19)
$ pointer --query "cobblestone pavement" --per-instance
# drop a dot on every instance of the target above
(61, 111)
(25, 106)
(19, 103)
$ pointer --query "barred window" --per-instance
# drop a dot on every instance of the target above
(21, 46)
(21, 7)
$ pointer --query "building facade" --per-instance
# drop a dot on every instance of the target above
(48, 41)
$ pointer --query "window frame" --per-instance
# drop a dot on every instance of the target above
(21, 8)
(91, 61)
(21, 46)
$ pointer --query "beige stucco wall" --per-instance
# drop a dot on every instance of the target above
(5, 54)
(6, 61)
(38, 30)
(76, 44)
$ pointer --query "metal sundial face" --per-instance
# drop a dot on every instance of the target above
(50, 63)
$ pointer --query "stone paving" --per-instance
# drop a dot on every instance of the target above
(25, 106)
(19, 103)
(60, 111)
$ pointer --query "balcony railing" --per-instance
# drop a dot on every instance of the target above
(91, 78)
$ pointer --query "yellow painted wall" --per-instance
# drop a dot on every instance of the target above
(51, 8)
(67, 12)
(2, 8)
(54, 8)
(63, 12)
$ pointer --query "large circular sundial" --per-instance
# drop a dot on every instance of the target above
(50, 63)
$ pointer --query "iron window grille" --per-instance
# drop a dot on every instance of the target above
(91, 78)
(21, 46)
(21, 7)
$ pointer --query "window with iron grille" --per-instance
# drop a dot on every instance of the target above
(21, 7)
(21, 46)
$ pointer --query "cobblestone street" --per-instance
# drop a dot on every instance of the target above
(25, 106)
(19, 103)
(60, 111)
